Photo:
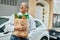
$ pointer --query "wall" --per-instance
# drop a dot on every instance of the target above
(35, 10)
(6, 10)
(32, 5)
(50, 2)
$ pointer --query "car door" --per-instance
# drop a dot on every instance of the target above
(40, 29)
(3, 36)
(36, 32)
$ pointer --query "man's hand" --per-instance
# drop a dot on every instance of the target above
(20, 28)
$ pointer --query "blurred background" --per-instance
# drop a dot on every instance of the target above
(48, 11)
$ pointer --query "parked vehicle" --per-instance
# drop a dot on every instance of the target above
(3, 21)
(55, 33)
(40, 33)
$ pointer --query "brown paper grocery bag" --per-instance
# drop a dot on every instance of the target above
(22, 24)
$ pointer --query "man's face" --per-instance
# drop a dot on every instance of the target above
(23, 8)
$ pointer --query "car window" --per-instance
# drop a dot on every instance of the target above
(2, 29)
(3, 20)
(38, 23)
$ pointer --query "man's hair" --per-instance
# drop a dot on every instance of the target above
(26, 4)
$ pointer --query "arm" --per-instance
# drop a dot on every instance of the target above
(32, 26)
(10, 25)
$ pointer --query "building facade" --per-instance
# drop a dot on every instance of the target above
(8, 7)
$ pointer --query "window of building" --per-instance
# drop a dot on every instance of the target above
(56, 14)
(9, 2)
(56, 20)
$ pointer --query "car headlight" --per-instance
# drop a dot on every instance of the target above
(54, 33)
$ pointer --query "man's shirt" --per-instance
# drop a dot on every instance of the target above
(10, 25)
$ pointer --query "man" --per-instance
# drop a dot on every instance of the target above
(23, 10)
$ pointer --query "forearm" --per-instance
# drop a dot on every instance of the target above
(19, 28)
(9, 27)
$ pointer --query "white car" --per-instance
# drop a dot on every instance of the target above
(3, 21)
(40, 33)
